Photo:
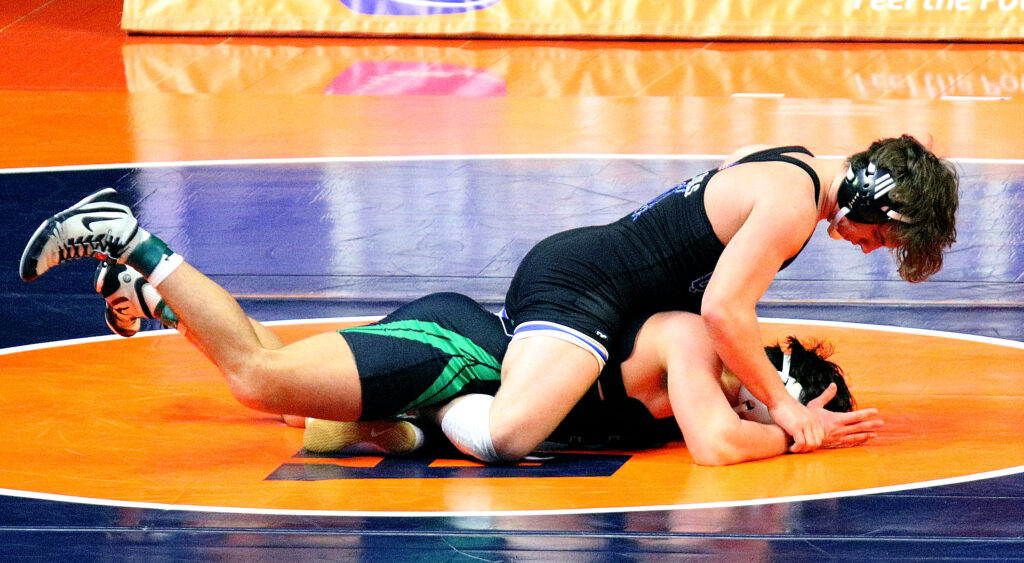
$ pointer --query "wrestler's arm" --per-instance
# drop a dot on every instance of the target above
(714, 433)
(774, 230)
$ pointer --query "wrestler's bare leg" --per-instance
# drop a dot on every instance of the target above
(314, 377)
(541, 379)
(269, 339)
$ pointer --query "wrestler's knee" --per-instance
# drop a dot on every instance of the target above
(252, 381)
(509, 442)
(469, 423)
(542, 378)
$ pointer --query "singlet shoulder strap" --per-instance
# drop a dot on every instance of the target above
(779, 154)
(773, 153)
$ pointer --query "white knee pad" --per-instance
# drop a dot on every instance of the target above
(467, 425)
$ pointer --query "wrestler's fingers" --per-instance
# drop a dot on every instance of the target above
(864, 426)
(857, 416)
(856, 434)
(819, 436)
(852, 440)
(798, 443)
(827, 395)
(801, 442)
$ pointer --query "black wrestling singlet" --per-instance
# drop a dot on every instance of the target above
(658, 258)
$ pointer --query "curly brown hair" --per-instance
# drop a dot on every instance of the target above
(926, 192)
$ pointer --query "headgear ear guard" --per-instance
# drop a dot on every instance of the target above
(751, 408)
(864, 196)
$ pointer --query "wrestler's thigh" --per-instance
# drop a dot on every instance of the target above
(542, 378)
(316, 376)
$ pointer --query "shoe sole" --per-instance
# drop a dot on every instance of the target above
(109, 314)
(111, 318)
(30, 257)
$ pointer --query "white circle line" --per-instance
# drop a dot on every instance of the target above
(900, 330)
(340, 320)
(539, 512)
(692, 506)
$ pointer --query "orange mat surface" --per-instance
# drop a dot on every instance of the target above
(148, 420)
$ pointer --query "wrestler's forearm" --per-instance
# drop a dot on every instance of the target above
(756, 441)
(743, 441)
(736, 337)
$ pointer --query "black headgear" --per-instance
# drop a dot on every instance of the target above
(864, 196)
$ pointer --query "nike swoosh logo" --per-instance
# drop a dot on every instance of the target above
(90, 220)
(374, 433)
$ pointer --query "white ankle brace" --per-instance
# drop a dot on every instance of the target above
(467, 425)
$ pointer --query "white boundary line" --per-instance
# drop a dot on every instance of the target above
(369, 318)
(494, 513)
(901, 330)
(418, 158)
(162, 332)
(439, 514)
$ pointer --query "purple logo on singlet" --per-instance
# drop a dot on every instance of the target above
(700, 284)
(416, 7)
(687, 187)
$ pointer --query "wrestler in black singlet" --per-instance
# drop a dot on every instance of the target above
(659, 258)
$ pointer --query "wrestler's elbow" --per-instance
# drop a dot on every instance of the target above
(719, 315)
(715, 447)
(711, 456)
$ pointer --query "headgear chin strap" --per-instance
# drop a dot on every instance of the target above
(864, 197)
(750, 408)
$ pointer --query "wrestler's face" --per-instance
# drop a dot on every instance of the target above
(867, 236)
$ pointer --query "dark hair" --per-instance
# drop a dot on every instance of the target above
(811, 368)
(926, 192)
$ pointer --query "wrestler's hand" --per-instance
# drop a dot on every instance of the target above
(805, 428)
(844, 429)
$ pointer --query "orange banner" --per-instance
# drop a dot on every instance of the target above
(746, 19)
